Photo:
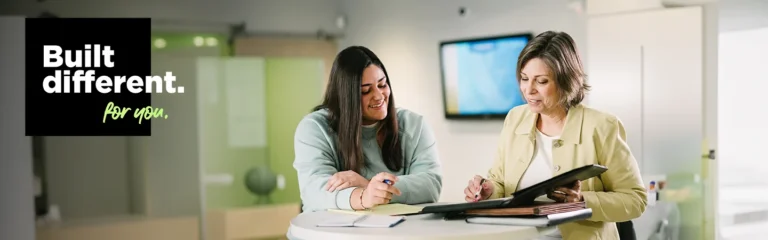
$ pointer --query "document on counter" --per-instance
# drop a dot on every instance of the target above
(364, 221)
(392, 209)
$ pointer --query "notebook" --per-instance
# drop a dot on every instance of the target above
(534, 220)
(364, 221)
(392, 209)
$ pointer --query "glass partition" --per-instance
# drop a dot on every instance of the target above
(249, 110)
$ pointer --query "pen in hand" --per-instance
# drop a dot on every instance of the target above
(389, 182)
(477, 194)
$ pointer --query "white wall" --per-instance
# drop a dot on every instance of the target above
(86, 177)
(285, 16)
(613, 6)
(741, 125)
(742, 109)
(406, 34)
(16, 191)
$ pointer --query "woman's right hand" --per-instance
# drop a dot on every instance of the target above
(478, 184)
(378, 192)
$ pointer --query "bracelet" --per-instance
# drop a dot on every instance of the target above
(361, 199)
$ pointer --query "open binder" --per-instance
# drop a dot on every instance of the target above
(524, 196)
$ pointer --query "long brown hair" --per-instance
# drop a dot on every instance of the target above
(343, 101)
(559, 52)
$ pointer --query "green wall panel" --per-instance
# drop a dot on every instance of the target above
(294, 87)
(219, 157)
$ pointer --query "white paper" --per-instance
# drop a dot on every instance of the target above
(364, 221)
(246, 101)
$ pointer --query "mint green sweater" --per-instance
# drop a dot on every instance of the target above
(316, 161)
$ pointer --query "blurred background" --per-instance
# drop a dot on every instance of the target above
(685, 76)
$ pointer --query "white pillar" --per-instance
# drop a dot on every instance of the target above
(17, 212)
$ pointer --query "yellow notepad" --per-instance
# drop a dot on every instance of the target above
(387, 209)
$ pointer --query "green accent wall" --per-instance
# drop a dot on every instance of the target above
(294, 87)
(219, 157)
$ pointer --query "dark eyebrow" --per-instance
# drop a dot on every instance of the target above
(368, 84)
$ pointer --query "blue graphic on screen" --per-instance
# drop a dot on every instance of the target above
(487, 83)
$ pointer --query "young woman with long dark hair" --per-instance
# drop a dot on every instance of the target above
(357, 150)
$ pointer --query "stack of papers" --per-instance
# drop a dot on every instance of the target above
(534, 220)
(538, 208)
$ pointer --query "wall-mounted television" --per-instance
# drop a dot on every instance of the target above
(479, 77)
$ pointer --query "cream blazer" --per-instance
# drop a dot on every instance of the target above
(589, 137)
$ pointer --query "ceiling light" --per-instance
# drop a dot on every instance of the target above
(211, 41)
(199, 41)
(160, 43)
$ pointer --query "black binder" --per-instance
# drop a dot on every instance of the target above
(524, 196)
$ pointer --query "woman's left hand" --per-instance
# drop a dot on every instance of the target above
(567, 193)
(345, 179)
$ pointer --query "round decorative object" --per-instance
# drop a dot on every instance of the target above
(261, 181)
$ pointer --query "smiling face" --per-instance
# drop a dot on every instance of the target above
(537, 83)
(375, 95)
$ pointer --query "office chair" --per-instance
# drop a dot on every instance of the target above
(626, 230)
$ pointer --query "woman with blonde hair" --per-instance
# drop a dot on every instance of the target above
(554, 133)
